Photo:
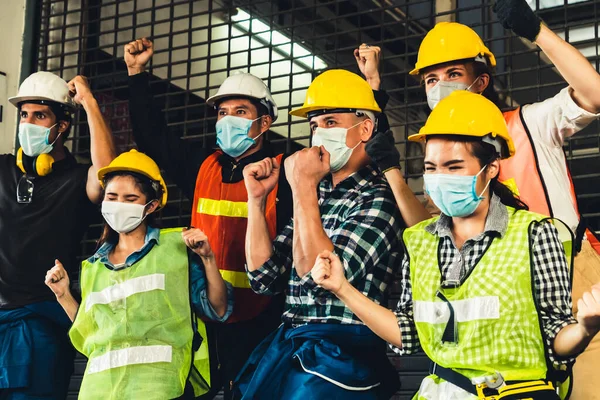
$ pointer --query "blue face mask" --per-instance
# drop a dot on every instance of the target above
(232, 135)
(454, 195)
(34, 139)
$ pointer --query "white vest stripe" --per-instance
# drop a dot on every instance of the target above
(430, 390)
(123, 290)
(129, 356)
(476, 308)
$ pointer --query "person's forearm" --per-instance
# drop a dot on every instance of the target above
(374, 82)
(102, 147)
(259, 247)
(410, 207)
(309, 237)
(380, 320)
(571, 340)
(136, 70)
(215, 287)
(69, 304)
(574, 68)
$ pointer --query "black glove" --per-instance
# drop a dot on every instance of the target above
(517, 16)
(382, 150)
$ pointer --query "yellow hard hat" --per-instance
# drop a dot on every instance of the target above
(337, 89)
(134, 161)
(450, 41)
(469, 114)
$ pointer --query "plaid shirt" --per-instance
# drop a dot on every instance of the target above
(362, 220)
(551, 274)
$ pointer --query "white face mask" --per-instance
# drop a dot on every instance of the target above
(34, 139)
(123, 217)
(442, 89)
(334, 141)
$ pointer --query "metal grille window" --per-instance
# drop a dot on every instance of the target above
(286, 43)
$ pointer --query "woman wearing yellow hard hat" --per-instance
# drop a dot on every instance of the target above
(452, 56)
(140, 292)
(485, 286)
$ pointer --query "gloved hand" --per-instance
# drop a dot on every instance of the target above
(517, 16)
(382, 150)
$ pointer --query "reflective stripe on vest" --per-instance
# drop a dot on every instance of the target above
(123, 290)
(497, 319)
(521, 172)
(476, 308)
(237, 279)
(224, 208)
(130, 356)
(135, 325)
(221, 210)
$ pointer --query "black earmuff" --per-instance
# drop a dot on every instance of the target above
(34, 166)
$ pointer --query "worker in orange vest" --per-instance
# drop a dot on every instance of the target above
(451, 57)
(213, 182)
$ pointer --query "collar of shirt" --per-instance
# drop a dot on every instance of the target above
(232, 171)
(495, 222)
(355, 181)
(152, 238)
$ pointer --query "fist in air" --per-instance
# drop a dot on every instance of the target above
(137, 55)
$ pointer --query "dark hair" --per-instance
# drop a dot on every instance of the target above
(146, 186)
(489, 92)
(62, 113)
(261, 109)
(485, 154)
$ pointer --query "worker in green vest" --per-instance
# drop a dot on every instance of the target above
(485, 286)
(141, 292)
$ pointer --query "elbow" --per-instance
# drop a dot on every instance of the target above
(220, 311)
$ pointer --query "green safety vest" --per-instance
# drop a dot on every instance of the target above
(497, 323)
(136, 327)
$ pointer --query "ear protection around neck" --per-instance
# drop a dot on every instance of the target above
(35, 166)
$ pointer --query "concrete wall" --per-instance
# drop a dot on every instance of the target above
(12, 18)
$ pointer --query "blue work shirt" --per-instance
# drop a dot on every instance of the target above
(198, 290)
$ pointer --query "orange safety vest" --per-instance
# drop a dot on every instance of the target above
(521, 173)
(221, 211)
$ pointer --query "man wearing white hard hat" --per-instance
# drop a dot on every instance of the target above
(46, 200)
(213, 181)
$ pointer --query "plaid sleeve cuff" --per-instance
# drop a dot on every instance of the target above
(262, 280)
(408, 335)
(551, 330)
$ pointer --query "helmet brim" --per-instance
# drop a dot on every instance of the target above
(16, 100)
(214, 100)
(422, 137)
(102, 172)
(303, 112)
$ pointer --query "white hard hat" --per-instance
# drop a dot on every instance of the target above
(245, 85)
(43, 86)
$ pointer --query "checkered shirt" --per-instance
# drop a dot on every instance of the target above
(362, 220)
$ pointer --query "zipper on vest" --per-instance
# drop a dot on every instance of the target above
(232, 172)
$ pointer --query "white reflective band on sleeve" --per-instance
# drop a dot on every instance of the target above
(437, 312)
(129, 356)
(123, 290)
(442, 391)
